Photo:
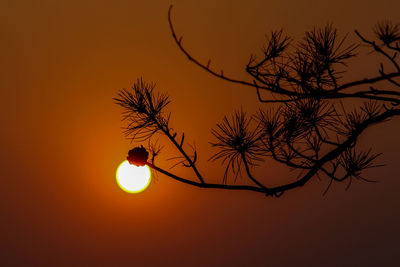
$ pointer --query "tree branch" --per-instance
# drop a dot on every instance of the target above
(207, 185)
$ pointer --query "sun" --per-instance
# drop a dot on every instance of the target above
(133, 179)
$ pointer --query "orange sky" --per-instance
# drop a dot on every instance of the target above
(62, 62)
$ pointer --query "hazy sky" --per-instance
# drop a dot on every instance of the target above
(62, 62)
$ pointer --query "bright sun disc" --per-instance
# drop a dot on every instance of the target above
(133, 179)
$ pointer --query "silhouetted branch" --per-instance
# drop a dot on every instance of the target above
(144, 111)
(207, 185)
(205, 67)
(306, 132)
(379, 50)
(220, 75)
(308, 67)
(246, 165)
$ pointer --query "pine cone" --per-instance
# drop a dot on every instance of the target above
(138, 156)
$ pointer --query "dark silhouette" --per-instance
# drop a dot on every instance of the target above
(312, 131)
(138, 156)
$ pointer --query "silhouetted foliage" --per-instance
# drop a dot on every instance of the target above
(237, 142)
(311, 130)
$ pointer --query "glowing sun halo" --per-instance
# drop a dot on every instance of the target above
(133, 179)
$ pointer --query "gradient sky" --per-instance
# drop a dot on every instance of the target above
(62, 62)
